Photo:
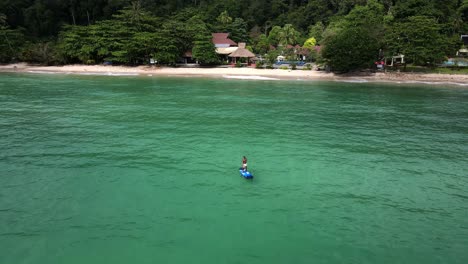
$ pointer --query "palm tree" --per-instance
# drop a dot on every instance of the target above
(288, 35)
(457, 23)
(136, 13)
(224, 19)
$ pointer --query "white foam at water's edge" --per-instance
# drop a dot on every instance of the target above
(248, 77)
(404, 82)
(355, 81)
(256, 77)
(436, 83)
(44, 72)
(108, 74)
(87, 73)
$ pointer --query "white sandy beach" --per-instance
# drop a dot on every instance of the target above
(240, 73)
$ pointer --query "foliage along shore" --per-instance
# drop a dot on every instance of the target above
(353, 34)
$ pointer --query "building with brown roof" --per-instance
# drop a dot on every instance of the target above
(242, 52)
(226, 48)
(222, 40)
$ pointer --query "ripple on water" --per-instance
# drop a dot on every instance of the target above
(93, 163)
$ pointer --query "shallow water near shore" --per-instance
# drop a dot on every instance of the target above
(98, 169)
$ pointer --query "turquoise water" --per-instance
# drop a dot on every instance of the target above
(144, 170)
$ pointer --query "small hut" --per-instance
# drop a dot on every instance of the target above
(242, 52)
(223, 53)
(187, 57)
(463, 52)
(395, 60)
(464, 38)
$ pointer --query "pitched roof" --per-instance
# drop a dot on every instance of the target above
(242, 52)
(303, 51)
(226, 51)
(222, 38)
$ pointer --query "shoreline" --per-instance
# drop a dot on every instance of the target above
(241, 73)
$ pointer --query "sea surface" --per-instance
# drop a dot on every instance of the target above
(97, 169)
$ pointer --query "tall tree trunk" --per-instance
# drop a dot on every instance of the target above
(9, 44)
(267, 26)
(73, 16)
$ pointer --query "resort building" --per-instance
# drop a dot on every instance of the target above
(241, 52)
(463, 52)
(228, 50)
(222, 40)
(224, 45)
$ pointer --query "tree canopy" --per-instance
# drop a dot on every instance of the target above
(132, 31)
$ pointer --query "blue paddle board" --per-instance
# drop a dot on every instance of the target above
(246, 174)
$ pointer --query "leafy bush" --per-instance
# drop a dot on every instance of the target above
(46, 53)
(11, 43)
(293, 66)
(271, 56)
(259, 65)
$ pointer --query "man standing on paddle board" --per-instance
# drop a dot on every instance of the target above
(244, 163)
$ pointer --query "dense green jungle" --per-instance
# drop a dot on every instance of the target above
(351, 34)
